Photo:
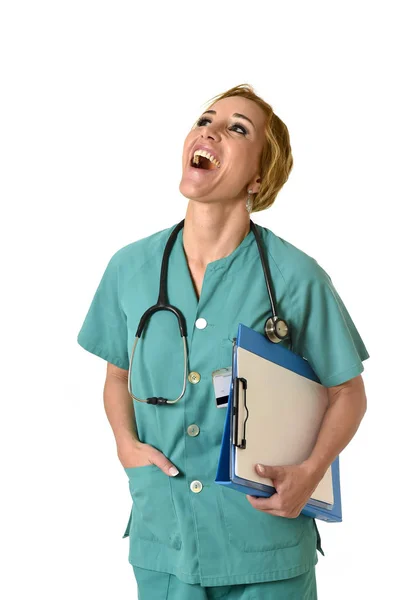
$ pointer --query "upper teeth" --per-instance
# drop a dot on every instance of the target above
(199, 153)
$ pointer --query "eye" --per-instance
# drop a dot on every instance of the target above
(202, 120)
(235, 125)
(240, 127)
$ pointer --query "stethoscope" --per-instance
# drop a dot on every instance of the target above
(276, 329)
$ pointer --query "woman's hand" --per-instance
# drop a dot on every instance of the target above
(294, 486)
(136, 454)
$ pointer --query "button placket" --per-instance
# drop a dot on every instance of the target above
(199, 330)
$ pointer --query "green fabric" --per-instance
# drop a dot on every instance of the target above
(214, 537)
(153, 585)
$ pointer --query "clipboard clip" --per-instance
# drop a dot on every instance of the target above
(236, 413)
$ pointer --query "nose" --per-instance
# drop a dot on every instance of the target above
(211, 131)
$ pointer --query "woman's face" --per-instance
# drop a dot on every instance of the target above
(232, 130)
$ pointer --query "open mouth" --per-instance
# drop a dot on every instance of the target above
(204, 160)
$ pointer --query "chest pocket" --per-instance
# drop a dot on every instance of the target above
(153, 516)
(225, 353)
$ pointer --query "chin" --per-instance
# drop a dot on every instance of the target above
(189, 190)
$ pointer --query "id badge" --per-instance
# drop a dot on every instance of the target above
(221, 384)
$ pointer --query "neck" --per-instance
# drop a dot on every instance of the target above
(212, 231)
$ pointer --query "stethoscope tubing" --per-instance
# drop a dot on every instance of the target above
(162, 304)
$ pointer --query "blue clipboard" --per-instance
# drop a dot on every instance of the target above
(259, 345)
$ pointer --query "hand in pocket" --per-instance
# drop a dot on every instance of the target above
(137, 454)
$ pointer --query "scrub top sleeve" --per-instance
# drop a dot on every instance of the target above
(323, 330)
(104, 330)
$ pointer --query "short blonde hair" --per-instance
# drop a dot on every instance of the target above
(276, 159)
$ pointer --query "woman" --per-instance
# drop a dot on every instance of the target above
(190, 538)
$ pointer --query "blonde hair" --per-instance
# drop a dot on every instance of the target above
(276, 159)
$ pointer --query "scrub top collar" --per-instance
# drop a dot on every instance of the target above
(226, 260)
(181, 290)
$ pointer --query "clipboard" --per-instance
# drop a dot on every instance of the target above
(275, 409)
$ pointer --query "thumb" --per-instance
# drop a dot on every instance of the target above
(267, 471)
(164, 464)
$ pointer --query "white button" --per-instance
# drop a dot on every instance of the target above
(201, 323)
(193, 430)
(195, 486)
(194, 377)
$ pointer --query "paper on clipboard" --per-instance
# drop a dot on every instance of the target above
(279, 417)
(275, 409)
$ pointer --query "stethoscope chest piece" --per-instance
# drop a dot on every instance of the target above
(276, 329)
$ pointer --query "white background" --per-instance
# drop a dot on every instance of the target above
(96, 100)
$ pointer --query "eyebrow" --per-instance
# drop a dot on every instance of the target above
(238, 115)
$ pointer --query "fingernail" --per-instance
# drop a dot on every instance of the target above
(173, 471)
(260, 468)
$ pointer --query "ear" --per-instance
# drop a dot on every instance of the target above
(254, 185)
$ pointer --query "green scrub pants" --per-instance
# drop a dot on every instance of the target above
(153, 585)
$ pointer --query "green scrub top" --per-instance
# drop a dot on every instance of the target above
(188, 525)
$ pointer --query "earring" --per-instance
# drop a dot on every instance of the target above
(249, 201)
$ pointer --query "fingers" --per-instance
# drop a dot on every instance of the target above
(271, 503)
(164, 464)
(273, 506)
